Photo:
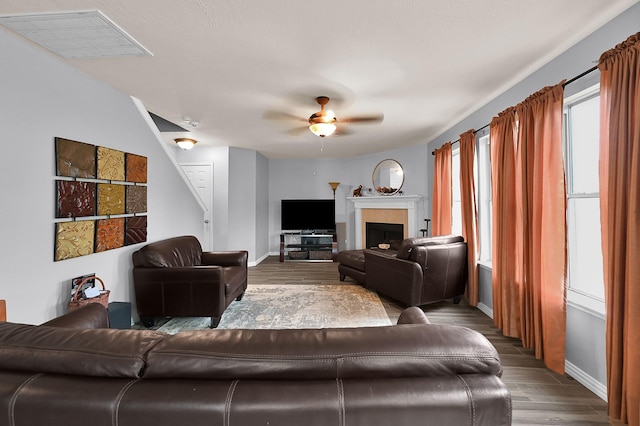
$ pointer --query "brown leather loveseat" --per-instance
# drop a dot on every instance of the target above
(423, 269)
(175, 278)
(63, 374)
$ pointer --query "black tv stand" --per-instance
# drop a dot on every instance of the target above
(308, 246)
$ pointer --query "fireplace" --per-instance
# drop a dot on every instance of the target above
(389, 233)
(398, 209)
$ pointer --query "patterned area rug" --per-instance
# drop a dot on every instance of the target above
(301, 306)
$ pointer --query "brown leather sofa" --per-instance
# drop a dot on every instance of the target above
(407, 374)
(423, 270)
(175, 278)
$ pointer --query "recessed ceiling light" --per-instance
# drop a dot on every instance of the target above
(79, 34)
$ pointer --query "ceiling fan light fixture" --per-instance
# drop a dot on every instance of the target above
(322, 129)
(186, 143)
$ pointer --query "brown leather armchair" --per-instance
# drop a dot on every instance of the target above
(425, 270)
(175, 278)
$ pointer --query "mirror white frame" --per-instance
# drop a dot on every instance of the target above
(388, 177)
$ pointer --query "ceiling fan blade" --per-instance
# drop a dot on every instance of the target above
(342, 131)
(297, 130)
(377, 118)
(279, 115)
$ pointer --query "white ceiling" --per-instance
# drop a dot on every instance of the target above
(424, 64)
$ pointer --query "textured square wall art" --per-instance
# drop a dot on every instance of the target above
(136, 199)
(111, 199)
(110, 164)
(74, 239)
(136, 230)
(136, 168)
(109, 234)
(75, 159)
(75, 199)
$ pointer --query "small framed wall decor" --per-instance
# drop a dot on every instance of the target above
(75, 159)
(74, 239)
(75, 198)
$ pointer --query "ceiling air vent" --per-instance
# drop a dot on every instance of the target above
(80, 34)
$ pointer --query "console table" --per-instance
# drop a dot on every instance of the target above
(308, 247)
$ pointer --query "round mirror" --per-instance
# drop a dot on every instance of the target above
(388, 177)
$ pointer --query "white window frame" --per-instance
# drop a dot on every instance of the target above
(577, 297)
(485, 200)
(456, 198)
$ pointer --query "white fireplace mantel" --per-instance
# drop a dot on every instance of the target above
(407, 202)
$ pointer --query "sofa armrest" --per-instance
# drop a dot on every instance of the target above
(413, 315)
(226, 258)
(93, 315)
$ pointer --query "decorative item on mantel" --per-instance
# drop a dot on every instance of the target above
(358, 191)
(388, 177)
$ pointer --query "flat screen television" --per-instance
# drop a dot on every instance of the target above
(308, 215)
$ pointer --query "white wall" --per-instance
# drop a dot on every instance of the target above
(41, 98)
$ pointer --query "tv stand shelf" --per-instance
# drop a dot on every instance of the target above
(308, 247)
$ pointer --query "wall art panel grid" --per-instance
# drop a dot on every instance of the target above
(104, 192)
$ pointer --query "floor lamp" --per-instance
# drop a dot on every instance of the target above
(334, 186)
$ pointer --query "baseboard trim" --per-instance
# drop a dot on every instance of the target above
(258, 261)
(485, 309)
(571, 369)
(586, 380)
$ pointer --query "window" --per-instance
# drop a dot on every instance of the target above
(582, 120)
(456, 199)
(484, 198)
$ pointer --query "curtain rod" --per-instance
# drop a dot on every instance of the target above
(571, 80)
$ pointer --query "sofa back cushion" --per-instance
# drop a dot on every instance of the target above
(407, 245)
(403, 351)
(170, 253)
(97, 352)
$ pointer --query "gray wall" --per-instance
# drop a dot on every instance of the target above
(262, 207)
(41, 98)
(309, 178)
(585, 342)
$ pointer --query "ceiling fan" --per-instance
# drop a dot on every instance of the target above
(324, 122)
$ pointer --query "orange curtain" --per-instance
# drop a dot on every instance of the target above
(469, 210)
(620, 223)
(542, 195)
(529, 230)
(506, 290)
(441, 204)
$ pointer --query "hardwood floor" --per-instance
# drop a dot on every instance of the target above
(540, 396)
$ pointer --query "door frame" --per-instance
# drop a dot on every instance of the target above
(207, 210)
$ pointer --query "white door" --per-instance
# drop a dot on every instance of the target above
(201, 177)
